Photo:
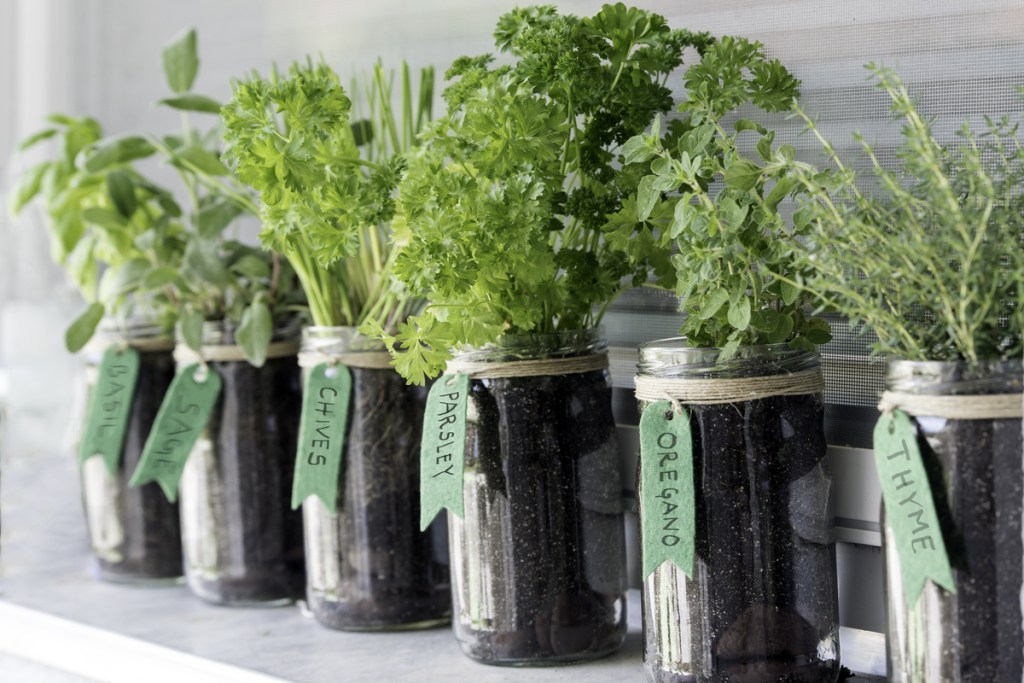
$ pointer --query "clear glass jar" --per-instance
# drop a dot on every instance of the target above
(974, 635)
(134, 531)
(369, 567)
(242, 540)
(762, 605)
(538, 563)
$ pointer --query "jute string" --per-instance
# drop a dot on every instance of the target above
(727, 390)
(370, 360)
(976, 407)
(229, 352)
(528, 368)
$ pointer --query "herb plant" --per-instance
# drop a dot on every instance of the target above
(326, 182)
(504, 208)
(933, 260)
(738, 258)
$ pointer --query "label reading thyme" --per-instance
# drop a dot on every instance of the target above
(666, 488)
(106, 418)
(909, 507)
(325, 401)
(443, 448)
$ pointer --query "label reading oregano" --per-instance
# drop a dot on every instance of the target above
(325, 401)
(666, 488)
(182, 416)
(443, 448)
(106, 418)
(910, 507)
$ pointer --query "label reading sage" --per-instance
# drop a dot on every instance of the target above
(443, 448)
(666, 488)
(910, 507)
(325, 401)
(182, 416)
(106, 420)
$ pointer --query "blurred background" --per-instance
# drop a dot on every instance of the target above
(961, 58)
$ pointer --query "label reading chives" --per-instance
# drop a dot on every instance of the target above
(443, 448)
(325, 401)
(182, 416)
(106, 418)
(909, 507)
(666, 488)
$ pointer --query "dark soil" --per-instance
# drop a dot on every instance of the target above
(391, 574)
(543, 539)
(976, 464)
(152, 534)
(254, 429)
(764, 590)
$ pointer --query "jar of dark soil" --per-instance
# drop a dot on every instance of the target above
(538, 561)
(242, 540)
(134, 532)
(368, 566)
(971, 450)
(762, 603)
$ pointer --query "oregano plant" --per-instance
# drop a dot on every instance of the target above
(503, 210)
(737, 258)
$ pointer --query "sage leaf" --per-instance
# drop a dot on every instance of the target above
(82, 329)
(181, 61)
(255, 331)
(202, 160)
(199, 103)
(190, 327)
(212, 219)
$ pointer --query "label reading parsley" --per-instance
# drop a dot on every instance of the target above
(106, 418)
(666, 488)
(325, 401)
(909, 507)
(443, 448)
(182, 416)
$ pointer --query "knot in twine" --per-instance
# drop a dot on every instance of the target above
(969, 407)
(226, 353)
(528, 368)
(370, 360)
(705, 391)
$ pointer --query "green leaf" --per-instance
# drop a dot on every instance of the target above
(105, 218)
(713, 304)
(362, 132)
(118, 150)
(82, 329)
(818, 331)
(27, 187)
(36, 138)
(252, 267)
(742, 175)
(202, 259)
(746, 124)
(181, 61)
(160, 276)
(205, 161)
(255, 331)
(121, 190)
(200, 103)
(764, 146)
(739, 313)
(637, 150)
(783, 186)
(646, 197)
(212, 219)
(190, 327)
(121, 279)
(789, 292)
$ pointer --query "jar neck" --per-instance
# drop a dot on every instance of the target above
(223, 332)
(132, 328)
(673, 358)
(952, 378)
(336, 340)
(538, 346)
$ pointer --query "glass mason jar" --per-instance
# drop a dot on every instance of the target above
(974, 635)
(538, 562)
(134, 531)
(368, 567)
(762, 605)
(242, 540)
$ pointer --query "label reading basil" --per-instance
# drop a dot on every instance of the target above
(182, 416)
(106, 418)
(909, 507)
(443, 448)
(325, 401)
(666, 488)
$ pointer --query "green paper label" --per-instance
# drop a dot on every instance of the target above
(182, 416)
(443, 448)
(666, 488)
(106, 418)
(909, 507)
(325, 401)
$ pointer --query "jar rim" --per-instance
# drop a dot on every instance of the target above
(672, 357)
